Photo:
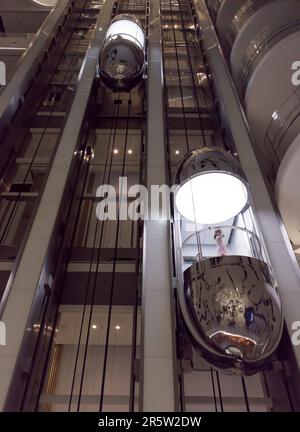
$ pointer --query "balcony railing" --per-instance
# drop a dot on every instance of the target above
(237, 241)
(259, 46)
(275, 145)
(243, 14)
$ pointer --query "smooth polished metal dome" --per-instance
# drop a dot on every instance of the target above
(233, 312)
(208, 159)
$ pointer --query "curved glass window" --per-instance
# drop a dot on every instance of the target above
(128, 30)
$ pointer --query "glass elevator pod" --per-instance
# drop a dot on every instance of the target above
(122, 57)
(227, 292)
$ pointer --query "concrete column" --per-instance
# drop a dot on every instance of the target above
(13, 92)
(158, 385)
(275, 236)
(30, 268)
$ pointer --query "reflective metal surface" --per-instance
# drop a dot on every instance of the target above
(233, 312)
(208, 159)
(122, 59)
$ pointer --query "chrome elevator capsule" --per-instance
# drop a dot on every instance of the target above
(227, 293)
(122, 57)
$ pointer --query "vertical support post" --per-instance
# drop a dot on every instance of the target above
(158, 386)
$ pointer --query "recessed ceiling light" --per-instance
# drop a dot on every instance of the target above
(94, 326)
(194, 198)
(117, 327)
(129, 151)
(177, 152)
(46, 2)
(116, 151)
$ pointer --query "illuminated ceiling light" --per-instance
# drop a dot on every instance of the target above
(128, 27)
(129, 151)
(211, 198)
(117, 327)
(13, 48)
(48, 3)
(212, 187)
(116, 151)
(177, 152)
(94, 326)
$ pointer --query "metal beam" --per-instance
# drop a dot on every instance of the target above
(158, 384)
